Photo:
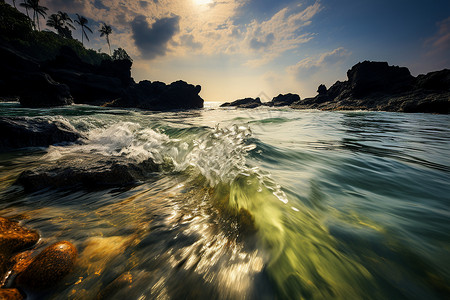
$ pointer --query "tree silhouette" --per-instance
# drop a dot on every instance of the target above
(82, 21)
(61, 22)
(106, 30)
(37, 10)
(121, 54)
(26, 7)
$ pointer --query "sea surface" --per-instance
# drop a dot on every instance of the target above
(251, 204)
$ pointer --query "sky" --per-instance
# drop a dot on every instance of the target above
(249, 48)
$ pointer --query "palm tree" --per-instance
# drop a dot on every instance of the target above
(37, 10)
(54, 21)
(106, 30)
(26, 7)
(82, 21)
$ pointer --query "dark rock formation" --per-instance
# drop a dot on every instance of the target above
(67, 79)
(284, 100)
(87, 172)
(40, 90)
(244, 103)
(159, 96)
(378, 86)
(89, 83)
(49, 266)
(19, 132)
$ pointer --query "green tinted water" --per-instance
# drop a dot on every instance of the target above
(252, 204)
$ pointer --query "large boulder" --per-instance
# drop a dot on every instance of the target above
(49, 266)
(40, 90)
(20, 132)
(378, 77)
(87, 172)
(159, 96)
(244, 103)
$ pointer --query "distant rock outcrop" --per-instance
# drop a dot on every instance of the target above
(378, 86)
(283, 100)
(244, 103)
(20, 132)
(159, 96)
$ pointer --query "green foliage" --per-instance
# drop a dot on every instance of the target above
(13, 24)
(121, 54)
(16, 30)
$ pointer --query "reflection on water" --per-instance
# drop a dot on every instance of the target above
(268, 204)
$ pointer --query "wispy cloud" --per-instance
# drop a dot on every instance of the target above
(311, 65)
(439, 43)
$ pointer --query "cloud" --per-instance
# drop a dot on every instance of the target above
(99, 4)
(439, 44)
(311, 65)
(282, 32)
(188, 40)
(257, 44)
(152, 41)
(75, 6)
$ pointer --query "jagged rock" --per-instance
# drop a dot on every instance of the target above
(284, 100)
(49, 266)
(159, 96)
(437, 81)
(378, 86)
(322, 89)
(19, 132)
(244, 103)
(40, 90)
(88, 172)
(378, 77)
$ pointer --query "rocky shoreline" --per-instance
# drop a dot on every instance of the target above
(67, 79)
(373, 86)
(22, 270)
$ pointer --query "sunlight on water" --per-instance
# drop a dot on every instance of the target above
(249, 204)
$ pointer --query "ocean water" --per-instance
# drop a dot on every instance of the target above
(251, 204)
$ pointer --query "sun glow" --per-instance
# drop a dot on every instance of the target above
(203, 2)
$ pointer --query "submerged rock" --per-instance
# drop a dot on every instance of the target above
(13, 238)
(49, 266)
(87, 172)
(10, 294)
(244, 103)
(380, 87)
(20, 132)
